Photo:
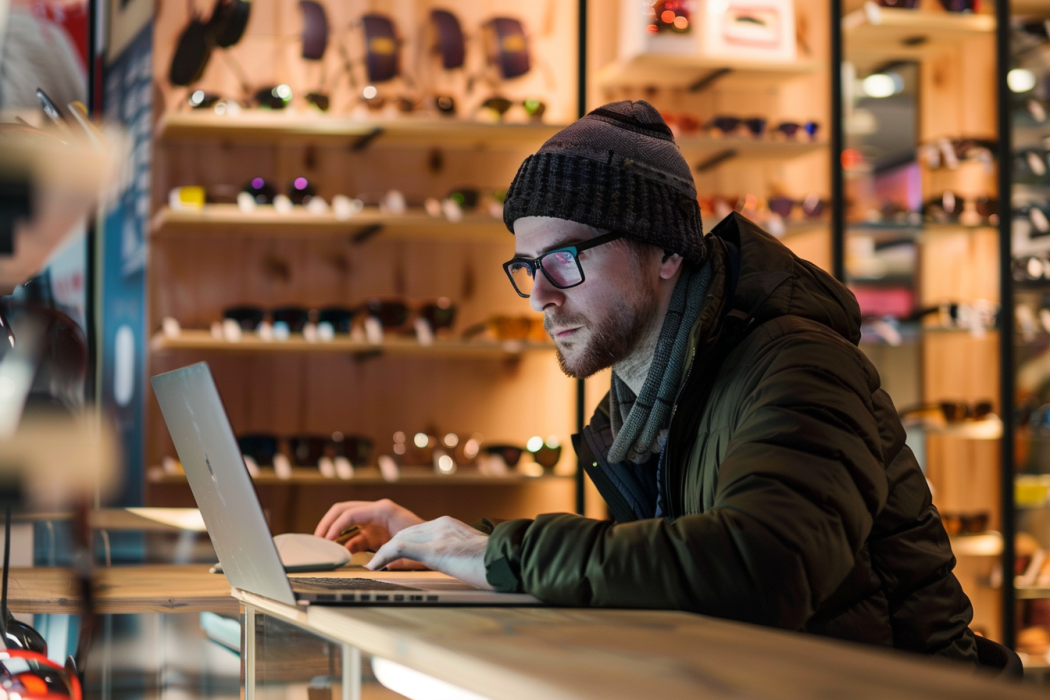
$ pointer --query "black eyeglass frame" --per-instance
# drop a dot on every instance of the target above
(575, 249)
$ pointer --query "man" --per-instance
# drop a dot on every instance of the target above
(753, 467)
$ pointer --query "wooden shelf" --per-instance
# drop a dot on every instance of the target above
(266, 127)
(884, 33)
(706, 152)
(986, 544)
(410, 476)
(698, 72)
(403, 346)
(217, 219)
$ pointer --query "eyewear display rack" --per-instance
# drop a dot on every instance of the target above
(207, 259)
(918, 238)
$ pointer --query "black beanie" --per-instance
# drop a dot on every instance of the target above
(619, 169)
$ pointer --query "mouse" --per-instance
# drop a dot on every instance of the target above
(302, 552)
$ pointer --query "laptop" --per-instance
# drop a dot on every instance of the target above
(225, 494)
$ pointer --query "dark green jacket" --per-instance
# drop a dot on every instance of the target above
(791, 498)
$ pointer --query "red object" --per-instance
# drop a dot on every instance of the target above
(31, 683)
(72, 17)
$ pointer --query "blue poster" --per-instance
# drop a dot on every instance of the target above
(127, 101)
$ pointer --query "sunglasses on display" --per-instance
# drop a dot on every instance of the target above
(387, 315)
(270, 97)
(811, 206)
(496, 108)
(951, 411)
(506, 46)
(382, 48)
(949, 153)
(670, 16)
(450, 44)
(729, 125)
(970, 211)
(561, 266)
(225, 27)
(545, 453)
(965, 524)
(314, 36)
(509, 328)
(948, 5)
(443, 454)
(334, 455)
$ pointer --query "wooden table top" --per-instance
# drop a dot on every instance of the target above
(123, 589)
(562, 654)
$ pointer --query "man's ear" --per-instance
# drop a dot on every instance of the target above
(670, 265)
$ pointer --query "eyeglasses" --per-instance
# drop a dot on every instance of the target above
(561, 266)
(496, 108)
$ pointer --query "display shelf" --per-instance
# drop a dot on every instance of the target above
(986, 544)
(268, 127)
(216, 219)
(697, 72)
(984, 429)
(883, 33)
(370, 476)
(404, 346)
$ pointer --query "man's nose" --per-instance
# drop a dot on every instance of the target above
(544, 294)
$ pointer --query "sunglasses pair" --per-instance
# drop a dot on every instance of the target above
(670, 16)
(965, 523)
(949, 207)
(496, 108)
(951, 411)
(269, 97)
(509, 328)
(444, 453)
(325, 452)
(949, 153)
(506, 47)
(263, 192)
(396, 315)
(390, 314)
(756, 126)
(546, 453)
(225, 27)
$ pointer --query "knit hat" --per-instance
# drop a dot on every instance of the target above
(619, 169)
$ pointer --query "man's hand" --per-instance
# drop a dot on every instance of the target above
(378, 520)
(446, 545)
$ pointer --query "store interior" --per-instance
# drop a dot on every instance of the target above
(309, 199)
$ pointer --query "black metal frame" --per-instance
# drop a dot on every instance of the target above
(1006, 316)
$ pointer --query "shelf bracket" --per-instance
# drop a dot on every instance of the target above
(705, 82)
(365, 140)
(366, 233)
(716, 160)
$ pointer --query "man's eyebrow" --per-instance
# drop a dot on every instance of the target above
(571, 240)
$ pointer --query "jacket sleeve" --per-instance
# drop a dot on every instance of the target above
(798, 489)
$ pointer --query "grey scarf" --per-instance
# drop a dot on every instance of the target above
(638, 421)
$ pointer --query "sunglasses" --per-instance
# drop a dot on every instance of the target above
(270, 97)
(902, 4)
(811, 206)
(496, 108)
(728, 125)
(509, 328)
(382, 48)
(225, 27)
(791, 130)
(394, 314)
(951, 411)
(951, 208)
(964, 524)
(546, 453)
(331, 454)
(444, 454)
(450, 42)
(283, 321)
(506, 46)
(948, 153)
(261, 191)
(560, 266)
(670, 16)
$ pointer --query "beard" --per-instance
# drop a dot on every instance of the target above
(612, 338)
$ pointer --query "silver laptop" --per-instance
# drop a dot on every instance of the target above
(225, 494)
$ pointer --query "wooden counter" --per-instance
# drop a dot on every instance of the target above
(122, 590)
(561, 653)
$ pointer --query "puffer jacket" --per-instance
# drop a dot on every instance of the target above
(789, 497)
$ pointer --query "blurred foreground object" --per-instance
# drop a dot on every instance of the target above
(49, 180)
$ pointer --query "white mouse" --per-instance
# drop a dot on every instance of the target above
(302, 552)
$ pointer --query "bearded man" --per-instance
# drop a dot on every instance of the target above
(753, 468)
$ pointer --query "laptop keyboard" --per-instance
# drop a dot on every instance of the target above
(311, 584)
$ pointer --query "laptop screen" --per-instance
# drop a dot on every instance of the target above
(222, 487)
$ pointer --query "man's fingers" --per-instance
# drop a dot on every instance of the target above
(360, 513)
(358, 543)
(384, 555)
(334, 513)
